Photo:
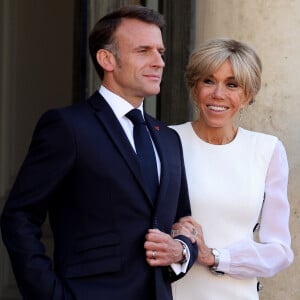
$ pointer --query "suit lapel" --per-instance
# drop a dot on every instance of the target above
(111, 124)
(154, 128)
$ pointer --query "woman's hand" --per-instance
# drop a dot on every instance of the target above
(185, 226)
(189, 227)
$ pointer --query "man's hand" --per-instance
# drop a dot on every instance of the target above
(162, 249)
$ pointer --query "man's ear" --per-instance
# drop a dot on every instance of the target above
(106, 60)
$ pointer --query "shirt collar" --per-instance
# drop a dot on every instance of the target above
(118, 104)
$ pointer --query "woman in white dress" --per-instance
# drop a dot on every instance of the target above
(234, 177)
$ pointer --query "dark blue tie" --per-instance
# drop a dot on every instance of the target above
(144, 151)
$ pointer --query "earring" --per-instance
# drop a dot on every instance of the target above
(196, 109)
(241, 112)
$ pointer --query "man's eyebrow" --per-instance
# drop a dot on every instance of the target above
(146, 47)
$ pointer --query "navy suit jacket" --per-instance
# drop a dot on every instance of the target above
(82, 171)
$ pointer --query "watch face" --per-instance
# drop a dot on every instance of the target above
(215, 252)
(184, 253)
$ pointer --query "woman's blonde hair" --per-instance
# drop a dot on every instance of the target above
(207, 59)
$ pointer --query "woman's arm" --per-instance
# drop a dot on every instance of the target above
(273, 252)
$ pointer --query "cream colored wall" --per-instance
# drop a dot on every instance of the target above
(272, 27)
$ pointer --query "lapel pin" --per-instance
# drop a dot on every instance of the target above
(157, 128)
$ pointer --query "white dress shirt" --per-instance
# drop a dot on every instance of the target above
(120, 108)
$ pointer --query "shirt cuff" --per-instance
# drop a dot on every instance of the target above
(224, 262)
(178, 267)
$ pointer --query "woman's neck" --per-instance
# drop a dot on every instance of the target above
(213, 135)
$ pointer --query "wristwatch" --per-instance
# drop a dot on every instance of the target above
(216, 255)
(214, 267)
(184, 253)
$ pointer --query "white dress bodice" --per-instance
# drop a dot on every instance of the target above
(226, 187)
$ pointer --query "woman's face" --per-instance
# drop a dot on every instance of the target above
(219, 97)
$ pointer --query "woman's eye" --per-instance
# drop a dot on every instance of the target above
(208, 81)
(232, 84)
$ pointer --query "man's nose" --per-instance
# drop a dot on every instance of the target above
(158, 60)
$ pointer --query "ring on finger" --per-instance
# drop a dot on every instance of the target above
(174, 232)
(195, 232)
(153, 254)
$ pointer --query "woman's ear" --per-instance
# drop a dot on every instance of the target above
(248, 100)
(193, 93)
(106, 60)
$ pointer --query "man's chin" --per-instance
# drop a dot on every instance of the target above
(152, 92)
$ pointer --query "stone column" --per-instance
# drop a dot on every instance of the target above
(173, 101)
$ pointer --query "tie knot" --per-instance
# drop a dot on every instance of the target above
(135, 116)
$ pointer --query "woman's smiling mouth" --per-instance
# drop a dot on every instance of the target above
(217, 108)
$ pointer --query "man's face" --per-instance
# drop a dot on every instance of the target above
(138, 70)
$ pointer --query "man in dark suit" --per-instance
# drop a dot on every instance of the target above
(111, 229)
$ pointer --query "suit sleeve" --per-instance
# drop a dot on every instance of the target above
(49, 159)
(184, 209)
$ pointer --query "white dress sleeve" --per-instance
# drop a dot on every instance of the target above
(273, 253)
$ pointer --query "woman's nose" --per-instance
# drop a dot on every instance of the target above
(219, 92)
